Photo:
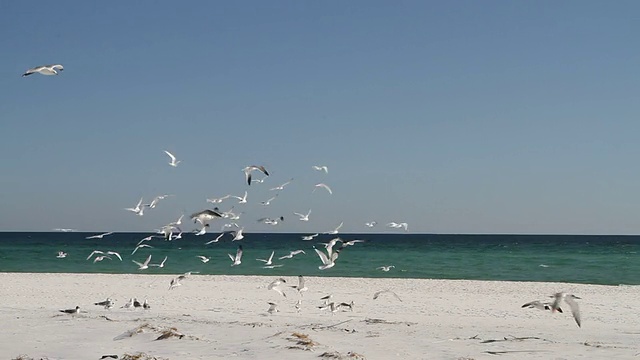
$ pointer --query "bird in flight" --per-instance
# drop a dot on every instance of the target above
(247, 171)
(173, 162)
(44, 70)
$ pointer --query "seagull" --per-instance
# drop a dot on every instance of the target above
(107, 303)
(376, 295)
(218, 200)
(175, 282)
(205, 215)
(331, 306)
(268, 261)
(145, 305)
(247, 171)
(385, 268)
(155, 201)
(335, 231)
(325, 186)
(115, 253)
(237, 235)
(300, 287)
(215, 240)
(136, 209)
(136, 303)
(237, 260)
(45, 70)
(93, 253)
(321, 168)
(140, 246)
(100, 258)
(326, 299)
(272, 266)
(298, 305)
(398, 225)
(71, 311)
(99, 236)
(304, 217)
(270, 221)
(178, 222)
(273, 307)
(292, 254)
(173, 162)
(176, 237)
(275, 286)
(347, 305)
(540, 305)
(268, 202)
(61, 255)
(371, 224)
(328, 261)
(241, 200)
(202, 231)
(570, 300)
(161, 265)
(281, 187)
(309, 237)
(351, 242)
(144, 265)
(258, 180)
(204, 259)
(128, 305)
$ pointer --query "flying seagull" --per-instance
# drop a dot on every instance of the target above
(309, 237)
(304, 217)
(385, 268)
(173, 162)
(100, 236)
(269, 261)
(144, 265)
(321, 168)
(281, 187)
(44, 70)
(301, 286)
(205, 215)
(247, 171)
(328, 260)
(376, 295)
(275, 286)
(237, 260)
(540, 305)
(324, 186)
(292, 254)
(570, 300)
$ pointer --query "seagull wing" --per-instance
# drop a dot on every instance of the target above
(575, 309)
(239, 253)
(173, 158)
(323, 256)
(115, 253)
(146, 262)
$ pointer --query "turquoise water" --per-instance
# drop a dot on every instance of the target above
(610, 260)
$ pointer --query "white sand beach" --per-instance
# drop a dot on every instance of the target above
(225, 317)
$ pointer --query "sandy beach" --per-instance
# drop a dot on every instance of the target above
(226, 317)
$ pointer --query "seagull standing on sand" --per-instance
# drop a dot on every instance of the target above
(173, 162)
(247, 171)
(71, 311)
(570, 300)
(108, 304)
(45, 70)
(324, 186)
(237, 260)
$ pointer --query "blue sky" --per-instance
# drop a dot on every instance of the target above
(452, 116)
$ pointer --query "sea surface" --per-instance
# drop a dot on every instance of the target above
(607, 260)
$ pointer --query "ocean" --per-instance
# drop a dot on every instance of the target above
(606, 260)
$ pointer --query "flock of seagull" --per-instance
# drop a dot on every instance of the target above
(328, 256)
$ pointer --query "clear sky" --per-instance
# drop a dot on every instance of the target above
(452, 116)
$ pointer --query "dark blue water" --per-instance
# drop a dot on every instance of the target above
(610, 260)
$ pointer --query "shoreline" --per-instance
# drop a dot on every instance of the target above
(225, 316)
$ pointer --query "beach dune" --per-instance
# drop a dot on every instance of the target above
(226, 317)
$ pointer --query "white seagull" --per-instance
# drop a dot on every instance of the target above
(204, 259)
(570, 300)
(268, 202)
(324, 186)
(218, 200)
(385, 268)
(304, 217)
(269, 261)
(100, 236)
(241, 200)
(301, 286)
(115, 253)
(205, 216)
(321, 168)
(173, 162)
(398, 225)
(45, 70)
(328, 261)
(371, 224)
(237, 260)
(376, 295)
(61, 255)
(292, 254)
(309, 237)
(281, 187)
(100, 258)
(93, 253)
(336, 230)
(136, 209)
(215, 240)
(247, 171)
(140, 246)
(71, 311)
(275, 286)
(540, 305)
(237, 235)
(144, 265)
(161, 265)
